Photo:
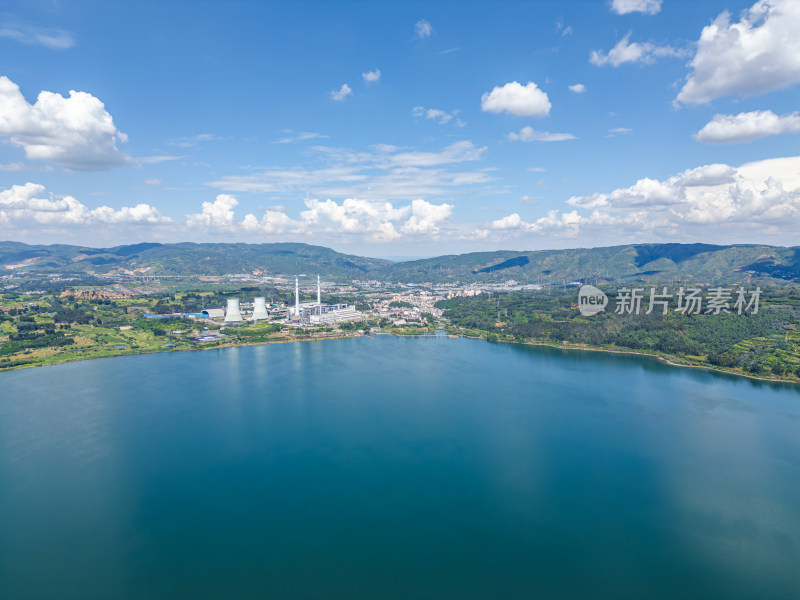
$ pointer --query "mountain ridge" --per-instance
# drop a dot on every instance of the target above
(649, 263)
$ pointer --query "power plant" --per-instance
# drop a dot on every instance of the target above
(305, 313)
(233, 314)
(260, 309)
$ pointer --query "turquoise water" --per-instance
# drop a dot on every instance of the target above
(396, 468)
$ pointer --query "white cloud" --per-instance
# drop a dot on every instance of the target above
(618, 131)
(217, 215)
(554, 222)
(512, 221)
(387, 173)
(75, 132)
(623, 7)
(529, 134)
(374, 221)
(578, 88)
(716, 174)
(193, 140)
(15, 166)
(562, 29)
(517, 100)
(372, 76)
(156, 159)
(426, 217)
(298, 136)
(19, 205)
(757, 202)
(757, 54)
(454, 153)
(747, 126)
(152, 181)
(756, 195)
(438, 115)
(634, 52)
(423, 29)
(342, 93)
(55, 39)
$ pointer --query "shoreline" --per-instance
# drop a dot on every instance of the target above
(657, 357)
(562, 346)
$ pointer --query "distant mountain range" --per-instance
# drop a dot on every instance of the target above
(649, 263)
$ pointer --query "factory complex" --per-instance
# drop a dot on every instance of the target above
(305, 313)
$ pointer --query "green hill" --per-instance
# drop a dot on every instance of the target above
(639, 263)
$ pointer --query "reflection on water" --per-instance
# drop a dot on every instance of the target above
(396, 468)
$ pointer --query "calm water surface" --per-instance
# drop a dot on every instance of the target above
(396, 468)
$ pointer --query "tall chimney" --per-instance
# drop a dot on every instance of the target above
(319, 293)
(296, 297)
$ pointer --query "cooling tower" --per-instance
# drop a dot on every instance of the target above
(232, 314)
(260, 309)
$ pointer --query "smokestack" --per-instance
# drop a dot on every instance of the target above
(319, 294)
(260, 309)
(233, 314)
(296, 297)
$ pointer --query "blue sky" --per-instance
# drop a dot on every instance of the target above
(400, 128)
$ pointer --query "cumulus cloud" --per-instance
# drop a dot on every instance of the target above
(375, 221)
(517, 99)
(217, 215)
(757, 54)
(565, 224)
(529, 134)
(623, 7)
(23, 204)
(708, 175)
(426, 217)
(756, 202)
(55, 39)
(76, 132)
(578, 88)
(372, 76)
(342, 93)
(633, 52)
(762, 192)
(422, 29)
(747, 126)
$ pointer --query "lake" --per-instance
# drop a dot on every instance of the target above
(390, 468)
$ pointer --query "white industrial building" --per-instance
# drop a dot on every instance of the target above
(317, 313)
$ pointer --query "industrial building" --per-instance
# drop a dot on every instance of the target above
(302, 313)
(317, 313)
